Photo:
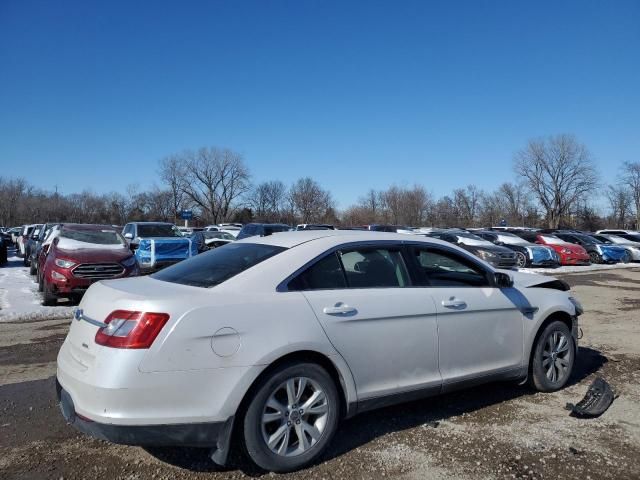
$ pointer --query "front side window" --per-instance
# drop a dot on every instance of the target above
(216, 266)
(357, 268)
(448, 269)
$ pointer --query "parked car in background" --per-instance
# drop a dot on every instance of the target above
(36, 248)
(261, 230)
(14, 233)
(157, 244)
(4, 246)
(527, 254)
(598, 252)
(283, 336)
(80, 255)
(315, 226)
(207, 240)
(570, 253)
(23, 238)
(499, 257)
(30, 244)
(626, 234)
(632, 247)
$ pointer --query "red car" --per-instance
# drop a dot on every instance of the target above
(80, 255)
(570, 253)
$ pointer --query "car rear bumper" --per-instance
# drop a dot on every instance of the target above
(188, 434)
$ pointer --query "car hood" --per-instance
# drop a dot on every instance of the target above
(529, 280)
(94, 255)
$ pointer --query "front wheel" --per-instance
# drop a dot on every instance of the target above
(553, 358)
(521, 260)
(48, 298)
(292, 417)
(595, 257)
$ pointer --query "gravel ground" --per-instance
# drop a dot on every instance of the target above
(493, 431)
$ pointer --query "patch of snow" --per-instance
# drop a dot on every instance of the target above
(19, 296)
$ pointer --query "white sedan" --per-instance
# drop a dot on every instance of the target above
(274, 339)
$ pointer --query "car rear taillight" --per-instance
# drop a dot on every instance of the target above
(127, 329)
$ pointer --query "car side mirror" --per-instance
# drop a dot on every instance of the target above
(128, 236)
(503, 280)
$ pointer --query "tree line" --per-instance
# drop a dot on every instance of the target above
(555, 184)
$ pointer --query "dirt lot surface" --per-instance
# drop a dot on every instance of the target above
(494, 431)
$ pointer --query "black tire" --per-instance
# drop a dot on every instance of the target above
(40, 283)
(32, 268)
(254, 431)
(626, 258)
(521, 260)
(542, 376)
(25, 259)
(48, 298)
(595, 257)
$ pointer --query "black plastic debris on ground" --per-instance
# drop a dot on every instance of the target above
(598, 398)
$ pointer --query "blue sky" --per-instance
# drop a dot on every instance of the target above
(357, 95)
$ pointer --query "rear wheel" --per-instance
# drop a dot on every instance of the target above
(595, 257)
(626, 258)
(291, 418)
(521, 260)
(553, 358)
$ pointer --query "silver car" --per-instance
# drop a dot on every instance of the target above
(275, 339)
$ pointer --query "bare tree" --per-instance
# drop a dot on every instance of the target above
(559, 171)
(173, 175)
(620, 200)
(631, 178)
(215, 179)
(311, 202)
(466, 202)
(268, 201)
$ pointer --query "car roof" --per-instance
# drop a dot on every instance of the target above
(292, 239)
(154, 223)
(87, 226)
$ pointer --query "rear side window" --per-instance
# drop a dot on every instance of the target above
(216, 266)
(324, 274)
(447, 269)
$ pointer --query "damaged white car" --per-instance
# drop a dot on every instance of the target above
(275, 339)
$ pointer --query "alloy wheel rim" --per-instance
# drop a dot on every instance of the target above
(556, 357)
(594, 258)
(294, 417)
(521, 260)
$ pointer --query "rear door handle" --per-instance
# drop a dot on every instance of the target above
(340, 309)
(454, 303)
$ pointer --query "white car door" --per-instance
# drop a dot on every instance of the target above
(383, 327)
(480, 326)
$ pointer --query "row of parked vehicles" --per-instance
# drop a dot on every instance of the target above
(66, 259)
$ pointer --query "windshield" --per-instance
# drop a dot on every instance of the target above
(587, 239)
(216, 266)
(98, 237)
(468, 235)
(158, 230)
(512, 239)
(550, 239)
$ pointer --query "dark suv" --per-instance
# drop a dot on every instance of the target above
(261, 229)
(499, 257)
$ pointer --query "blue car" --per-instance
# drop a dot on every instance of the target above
(598, 251)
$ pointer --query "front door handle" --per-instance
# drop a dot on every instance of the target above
(340, 309)
(454, 303)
